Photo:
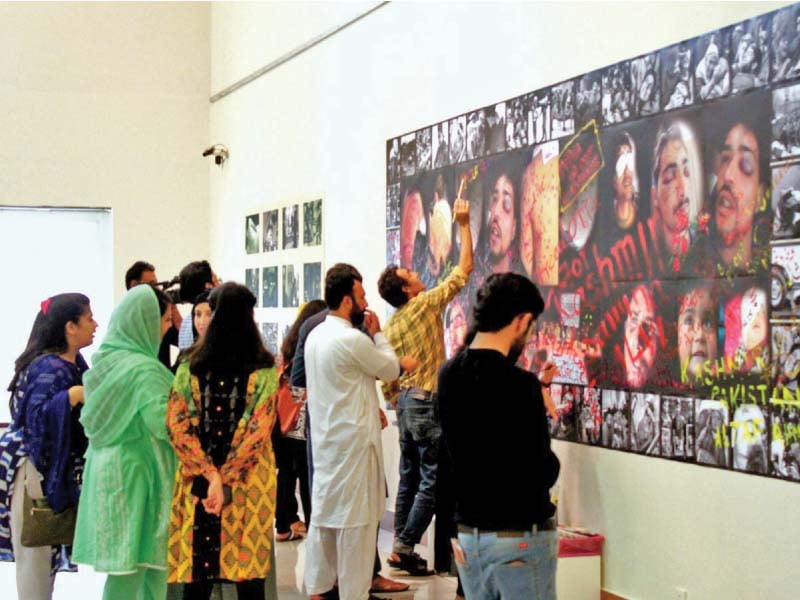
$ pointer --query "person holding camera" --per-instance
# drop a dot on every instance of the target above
(220, 415)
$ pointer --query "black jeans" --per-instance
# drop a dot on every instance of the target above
(292, 466)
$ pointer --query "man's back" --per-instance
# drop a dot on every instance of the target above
(416, 329)
(341, 364)
(513, 492)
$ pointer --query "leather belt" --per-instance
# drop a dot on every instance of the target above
(547, 525)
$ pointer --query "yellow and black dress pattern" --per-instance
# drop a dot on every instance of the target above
(213, 425)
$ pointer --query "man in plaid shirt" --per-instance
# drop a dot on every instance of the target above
(416, 329)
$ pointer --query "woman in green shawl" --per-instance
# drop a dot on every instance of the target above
(123, 515)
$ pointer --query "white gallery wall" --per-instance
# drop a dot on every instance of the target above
(103, 105)
(317, 127)
(106, 105)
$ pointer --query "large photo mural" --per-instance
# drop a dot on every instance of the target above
(656, 205)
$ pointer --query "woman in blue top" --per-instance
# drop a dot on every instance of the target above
(45, 440)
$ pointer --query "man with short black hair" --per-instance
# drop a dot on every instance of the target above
(140, 272)
(380, 584)
(416, 329)
(504, 514)
(348, 489)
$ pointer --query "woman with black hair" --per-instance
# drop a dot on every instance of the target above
(201, 317)
(290, 450)
(220, 415)
(130, 466)
(42, 450)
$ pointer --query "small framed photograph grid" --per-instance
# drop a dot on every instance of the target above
(283, 261)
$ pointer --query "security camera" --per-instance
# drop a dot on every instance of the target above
(218, 151)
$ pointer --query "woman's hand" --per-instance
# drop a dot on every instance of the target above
(75, 395)
(215, 497)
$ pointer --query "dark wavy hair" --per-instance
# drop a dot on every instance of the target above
(193, 279)
(232, 341)
(501, 298)
(289, 345)
(48, 334)
(390, 287)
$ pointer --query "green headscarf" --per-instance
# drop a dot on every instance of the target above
(126, 374)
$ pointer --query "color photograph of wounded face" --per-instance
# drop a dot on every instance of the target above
(455, 323)
(697, 333)
(502, 223)
(440, 239)
(641, 337)
(625, 181)
(413, 230)
(746, 331)
(538, 247)
(677, 188)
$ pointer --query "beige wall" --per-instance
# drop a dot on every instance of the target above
(318, 126)
(106, 104)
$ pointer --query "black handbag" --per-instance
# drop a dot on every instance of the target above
(41, 526)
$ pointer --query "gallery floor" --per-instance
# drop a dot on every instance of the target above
(88, 585)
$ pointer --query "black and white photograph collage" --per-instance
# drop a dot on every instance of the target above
(283, 264)
(711, 374)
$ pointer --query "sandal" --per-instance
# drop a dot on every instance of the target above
(412, 563)
(384, 585)
(299, 529)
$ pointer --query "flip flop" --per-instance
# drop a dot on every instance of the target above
(289, 536)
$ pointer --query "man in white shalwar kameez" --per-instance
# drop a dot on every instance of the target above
(348, 493)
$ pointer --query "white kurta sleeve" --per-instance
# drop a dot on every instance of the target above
(376, 359)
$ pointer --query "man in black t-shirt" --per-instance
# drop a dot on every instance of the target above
(504, 513)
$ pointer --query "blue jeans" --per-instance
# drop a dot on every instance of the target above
(509, 568)
(420, 433)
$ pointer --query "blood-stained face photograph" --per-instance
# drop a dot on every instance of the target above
(655, 204)
(539, 215)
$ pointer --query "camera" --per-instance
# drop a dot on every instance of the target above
(172, 289)
(218, 151)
